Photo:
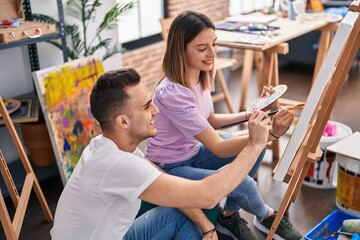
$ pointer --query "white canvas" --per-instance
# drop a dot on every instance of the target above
(325, 74)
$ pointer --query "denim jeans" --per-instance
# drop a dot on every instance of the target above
(161, 223)
(245, 196)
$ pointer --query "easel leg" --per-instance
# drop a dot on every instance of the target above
(275, 146)
(294, 182)
(6, 221)
(12, 229)
(302, 177)
(9, 182)
(298, 186)
(24, 199)
(41, 198)
(246, 78)
(28, 169)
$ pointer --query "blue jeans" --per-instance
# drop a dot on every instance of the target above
(205, 163)
(161, 223)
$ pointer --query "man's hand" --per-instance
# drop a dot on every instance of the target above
(259, 127)
(282, 121)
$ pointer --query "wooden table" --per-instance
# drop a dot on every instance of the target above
(267, 54)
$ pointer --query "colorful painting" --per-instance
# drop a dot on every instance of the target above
(64, 93)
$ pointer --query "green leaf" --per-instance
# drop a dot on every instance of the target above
(116, 48)
(44, 19)
(75, 8)
(110, 19)
(93, 7)
(102, 44)
(76, 42)
(84, 11)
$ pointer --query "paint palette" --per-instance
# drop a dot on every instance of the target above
(262, 103)
(11, 105)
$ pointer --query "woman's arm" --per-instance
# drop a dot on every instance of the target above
(219, 119)
(219, 146)
(230, 147)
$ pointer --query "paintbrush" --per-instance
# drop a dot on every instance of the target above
(298, 106)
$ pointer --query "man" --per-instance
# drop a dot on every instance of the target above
(103, 194)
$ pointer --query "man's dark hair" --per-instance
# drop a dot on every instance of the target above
(108, 96)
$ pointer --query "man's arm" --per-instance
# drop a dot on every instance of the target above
(196, 215)
(173, 191)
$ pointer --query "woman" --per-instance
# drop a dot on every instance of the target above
(187, 144)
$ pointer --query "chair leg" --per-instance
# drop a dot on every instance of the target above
(221, 80)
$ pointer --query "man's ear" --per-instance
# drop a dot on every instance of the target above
(122, 121)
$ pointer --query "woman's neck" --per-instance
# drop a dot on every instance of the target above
(194, 76)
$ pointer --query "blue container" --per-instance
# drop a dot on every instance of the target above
(328, 227)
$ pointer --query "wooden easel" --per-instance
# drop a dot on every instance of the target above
(12, 228)
(309, 150)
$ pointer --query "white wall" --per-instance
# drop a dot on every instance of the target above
(15, 73)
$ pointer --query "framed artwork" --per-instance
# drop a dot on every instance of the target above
(64, 93)
(28, 111)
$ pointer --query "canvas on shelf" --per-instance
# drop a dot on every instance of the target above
(64, 93)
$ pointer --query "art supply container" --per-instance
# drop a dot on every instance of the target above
(348, 182)
(323, 173)
(328, 228)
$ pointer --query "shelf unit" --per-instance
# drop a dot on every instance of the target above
(31, 43)
(16, 168)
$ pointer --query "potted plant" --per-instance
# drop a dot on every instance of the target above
(77, 35)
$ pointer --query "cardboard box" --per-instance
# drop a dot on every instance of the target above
(10, 9)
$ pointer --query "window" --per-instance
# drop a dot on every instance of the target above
(140, 26)
(237, 7)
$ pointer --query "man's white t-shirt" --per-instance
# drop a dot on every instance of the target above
(101, 198)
